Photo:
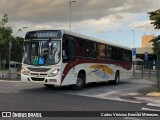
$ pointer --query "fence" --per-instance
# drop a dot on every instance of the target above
(10, 75)
(146, 69)
(13, 73)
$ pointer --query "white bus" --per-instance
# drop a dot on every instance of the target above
(61, 57)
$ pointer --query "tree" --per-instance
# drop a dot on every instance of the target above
(17, 46)
(5, 36)
(154, 16)
(156, 48)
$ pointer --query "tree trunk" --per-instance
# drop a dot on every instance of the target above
(0, 61)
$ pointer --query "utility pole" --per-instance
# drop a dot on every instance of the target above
(70, 14)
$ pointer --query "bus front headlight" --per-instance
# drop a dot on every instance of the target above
(25, 72)
(54, 73)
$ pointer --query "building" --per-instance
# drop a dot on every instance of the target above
(145, 52)
(146, 40)
(146, 48)
(141, 51)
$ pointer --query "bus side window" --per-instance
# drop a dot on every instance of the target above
(71, 49)
(109, 52)
(91, 49)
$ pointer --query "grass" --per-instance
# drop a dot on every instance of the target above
(7, 71)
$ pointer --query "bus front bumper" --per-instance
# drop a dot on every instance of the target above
(42, 80)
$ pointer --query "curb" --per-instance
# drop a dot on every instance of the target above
(10, 81)
(154, 94)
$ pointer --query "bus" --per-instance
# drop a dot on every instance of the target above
(61, 57)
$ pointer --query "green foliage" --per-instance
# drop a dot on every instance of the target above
(155, 18)
(16, 51)
(4, 20)
(5, 37)
(156, 48)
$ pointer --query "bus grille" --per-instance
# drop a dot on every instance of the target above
(39, 69)
(37, 79)
(39, 74)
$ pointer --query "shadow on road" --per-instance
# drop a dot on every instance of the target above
(69, 89)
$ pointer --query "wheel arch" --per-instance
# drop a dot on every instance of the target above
(117, 72)
(83, 72)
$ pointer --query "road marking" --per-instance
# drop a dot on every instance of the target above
(131, 118)
(111, 95)
(133, 93)
(153, 104)
(105, 94)
(149, 109)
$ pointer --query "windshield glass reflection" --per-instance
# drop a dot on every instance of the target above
(41, 52)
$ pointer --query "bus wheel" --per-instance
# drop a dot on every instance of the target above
(48, 86)
(80, 82)
(117, 78)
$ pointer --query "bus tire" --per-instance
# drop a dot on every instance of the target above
(80, 82)
(117, 78)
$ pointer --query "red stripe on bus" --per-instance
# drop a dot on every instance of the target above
(124, 64)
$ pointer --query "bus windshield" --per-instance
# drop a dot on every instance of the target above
(41, 52)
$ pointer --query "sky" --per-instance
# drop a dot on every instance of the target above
(122, 22)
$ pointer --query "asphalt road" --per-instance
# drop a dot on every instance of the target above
(17, 96)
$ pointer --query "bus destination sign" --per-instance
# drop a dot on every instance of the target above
(43, 34)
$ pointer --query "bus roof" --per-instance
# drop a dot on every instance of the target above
(93, 39)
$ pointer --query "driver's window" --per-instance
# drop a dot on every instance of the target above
(68, 48)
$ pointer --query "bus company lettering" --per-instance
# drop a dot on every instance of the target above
(15, 114)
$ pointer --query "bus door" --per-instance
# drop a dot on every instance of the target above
(69, 53)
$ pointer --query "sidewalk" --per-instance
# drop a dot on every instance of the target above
(150, 95)
(147, 95)
(153, 101)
